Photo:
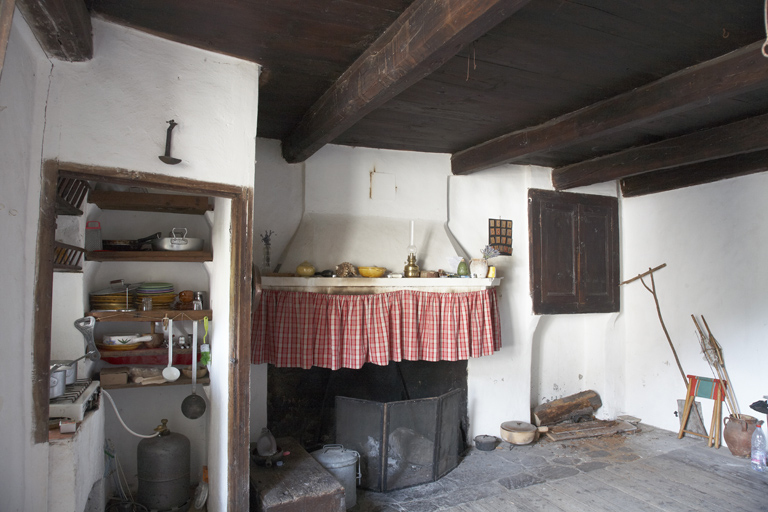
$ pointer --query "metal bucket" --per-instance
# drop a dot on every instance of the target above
(344, 465)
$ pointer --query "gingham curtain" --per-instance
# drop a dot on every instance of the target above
(303, 329)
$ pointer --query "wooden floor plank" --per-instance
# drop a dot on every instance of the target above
(653, 488)
(719, 489)
(605, 495)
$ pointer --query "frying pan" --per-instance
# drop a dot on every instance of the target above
(128, 245)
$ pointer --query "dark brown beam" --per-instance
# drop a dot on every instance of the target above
(424, 37)
(735, 73)
(723, 141)
(62, 27)
(695, 174)
(6, 19)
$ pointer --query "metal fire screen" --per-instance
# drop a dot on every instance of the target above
(401, 444)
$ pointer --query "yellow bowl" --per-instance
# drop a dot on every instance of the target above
(371, 271)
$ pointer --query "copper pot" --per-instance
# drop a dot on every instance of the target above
(738, 434)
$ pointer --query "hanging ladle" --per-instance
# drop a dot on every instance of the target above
(194, 405)
(167, 158)
(170, 373)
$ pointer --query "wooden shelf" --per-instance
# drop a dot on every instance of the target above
(182, 381)
(158, 256)
(146, 202)
(156, 315)
(147, 356)
(366, 285)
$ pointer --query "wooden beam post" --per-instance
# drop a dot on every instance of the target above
(728, 140)
(695, 174)
(422, 39)
(62, 27)
(735, 73)
(6, 20)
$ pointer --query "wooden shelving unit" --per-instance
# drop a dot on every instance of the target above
(157, 256)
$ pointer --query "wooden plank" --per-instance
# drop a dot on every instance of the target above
(238, 420)
(6, 20)
(145, 202)
(423, 38)
(695, 174)
(596, 495)
(178, 256)
(651, 487)
(41, 341)
(62, 27)
(696, 86)
(723, 141)
(707, 480)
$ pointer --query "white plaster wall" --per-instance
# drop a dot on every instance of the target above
(112, 111)
(23, 85)
(713, 239)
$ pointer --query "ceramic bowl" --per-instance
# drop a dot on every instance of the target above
(202, 371)
(371, 271)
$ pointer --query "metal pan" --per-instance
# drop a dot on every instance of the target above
(128, 245)
(178, 241)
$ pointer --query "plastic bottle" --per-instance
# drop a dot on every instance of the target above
(758, 448)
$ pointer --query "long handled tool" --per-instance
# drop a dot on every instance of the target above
(713, 353)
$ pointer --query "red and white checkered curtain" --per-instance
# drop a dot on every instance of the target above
(302, 329)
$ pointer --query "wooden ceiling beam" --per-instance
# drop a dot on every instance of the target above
(62, 27)
(744, 136)
(734, 73)
(424, 37)
(695, 174)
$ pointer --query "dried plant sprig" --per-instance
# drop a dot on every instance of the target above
(489, 252)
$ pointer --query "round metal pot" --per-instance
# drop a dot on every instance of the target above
(486, 443)
(520, 432)
(69, 367)
(58, 383)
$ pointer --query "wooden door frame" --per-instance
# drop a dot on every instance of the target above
(238, 420)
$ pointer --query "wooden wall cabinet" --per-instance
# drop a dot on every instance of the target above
(574, 252)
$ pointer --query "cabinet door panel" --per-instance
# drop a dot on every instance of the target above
(574, 252)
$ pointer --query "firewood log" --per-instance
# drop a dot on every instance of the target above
(561, 409)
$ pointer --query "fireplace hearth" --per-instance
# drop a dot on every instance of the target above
(303, 404)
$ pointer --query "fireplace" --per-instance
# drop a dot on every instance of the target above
(414, 404)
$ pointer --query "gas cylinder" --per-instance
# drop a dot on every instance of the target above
(163, 470)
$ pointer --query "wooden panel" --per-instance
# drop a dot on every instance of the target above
(144, 202)
(574, 252)
(62, 27)
(695, 174)
(180, 256)
(425, 36)
(724, 141)
(691, 88)
(6, 19)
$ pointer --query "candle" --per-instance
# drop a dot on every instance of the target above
(411, 233)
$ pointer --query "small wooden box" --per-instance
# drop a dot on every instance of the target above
(114, 376)
(301, 484)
